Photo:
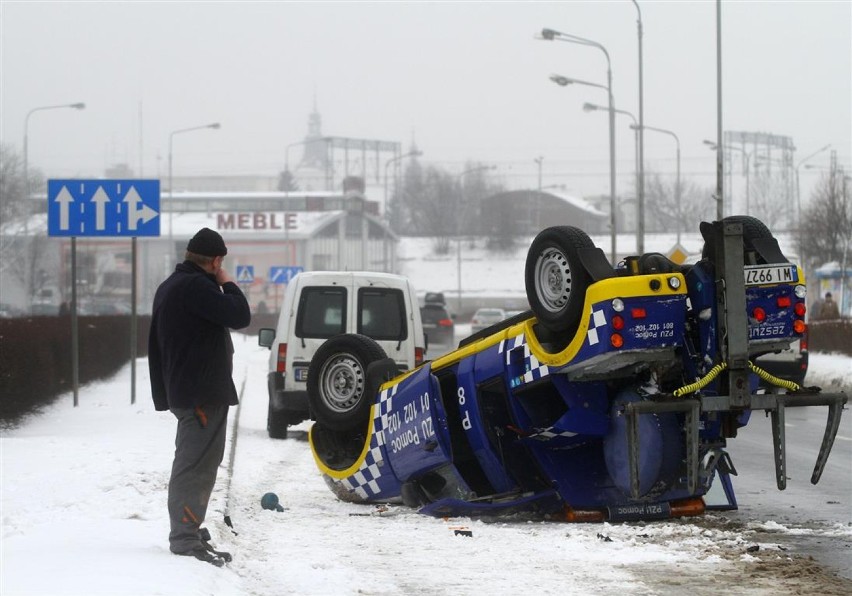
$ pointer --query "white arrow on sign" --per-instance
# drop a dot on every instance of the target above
(64, 198)
(134, 212)
(100, 199)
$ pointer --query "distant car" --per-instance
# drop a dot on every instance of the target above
(438, 324)
(485, 317)
(44, 309)
(7, 311)
(435, 298)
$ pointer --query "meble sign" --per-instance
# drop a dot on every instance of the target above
(256, 221)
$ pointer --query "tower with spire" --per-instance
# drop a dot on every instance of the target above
(315, 155)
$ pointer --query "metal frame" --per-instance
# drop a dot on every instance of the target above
(733, 331)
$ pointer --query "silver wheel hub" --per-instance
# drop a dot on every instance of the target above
(342, 381)
(552, 279)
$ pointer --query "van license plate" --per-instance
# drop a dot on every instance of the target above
(301, 373)
(769, 274)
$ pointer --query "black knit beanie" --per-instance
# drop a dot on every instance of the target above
(207, 243)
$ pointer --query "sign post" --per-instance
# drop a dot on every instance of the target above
(102, 208)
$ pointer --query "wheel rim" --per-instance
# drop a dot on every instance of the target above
(552, 279)
(342, 382)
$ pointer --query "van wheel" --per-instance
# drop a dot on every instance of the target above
(555, 279)
(276, 423)
(337, 381)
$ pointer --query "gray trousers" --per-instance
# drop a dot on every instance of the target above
(199, 449)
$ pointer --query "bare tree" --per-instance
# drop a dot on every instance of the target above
(768, 200)
(433, 202)
(287, 182)
(696, 204)
(12, 187)
(826, 227)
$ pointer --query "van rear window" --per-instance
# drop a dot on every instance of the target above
(322, 312)
(381, 313)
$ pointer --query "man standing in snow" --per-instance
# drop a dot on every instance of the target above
(190, 357)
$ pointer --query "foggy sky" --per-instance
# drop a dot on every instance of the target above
(467, 81)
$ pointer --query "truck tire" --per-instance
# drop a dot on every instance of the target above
(337, 381)
(555, 279)
(753, 229)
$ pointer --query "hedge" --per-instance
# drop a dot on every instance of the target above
(35, 357)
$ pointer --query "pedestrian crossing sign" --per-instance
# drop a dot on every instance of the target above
(245, 274)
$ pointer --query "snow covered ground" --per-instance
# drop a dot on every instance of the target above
(84, 512)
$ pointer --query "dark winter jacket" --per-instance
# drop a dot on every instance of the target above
(190, 354)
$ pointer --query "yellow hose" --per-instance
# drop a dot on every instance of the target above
(702, 382)
(714, 372)
(789, 385)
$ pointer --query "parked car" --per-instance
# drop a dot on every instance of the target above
(435, 298)
(485, 317)
(323, 304)
(613, 399)
(438, 325)
(7, 311)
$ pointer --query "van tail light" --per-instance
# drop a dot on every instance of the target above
(418, 356)
(803, 343)
(445, 323)
(282, 358)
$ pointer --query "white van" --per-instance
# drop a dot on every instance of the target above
(321, 304)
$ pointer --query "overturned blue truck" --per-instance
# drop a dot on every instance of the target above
(613, 398)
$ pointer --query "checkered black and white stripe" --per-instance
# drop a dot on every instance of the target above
(368, 482)
(598, 319)
(533, 369)
(551, 432)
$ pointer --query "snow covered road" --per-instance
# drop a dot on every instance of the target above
(83, 512)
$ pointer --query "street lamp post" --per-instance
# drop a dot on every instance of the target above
(747, 156)
(799, 190)
(550, 35)
(414, 153)
(563, 81)
(74, 328)
(76, 106)
(638, 165)
(677, 179)
(214, 125)
(459, 219)
(640, 199)
(539, 161)
(385, 215)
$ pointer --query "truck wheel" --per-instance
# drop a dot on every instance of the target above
(556, 281)
(337, 381)
(753, 229)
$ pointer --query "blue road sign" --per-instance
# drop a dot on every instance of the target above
(245, 274)
(283, 275)
(103, 207)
